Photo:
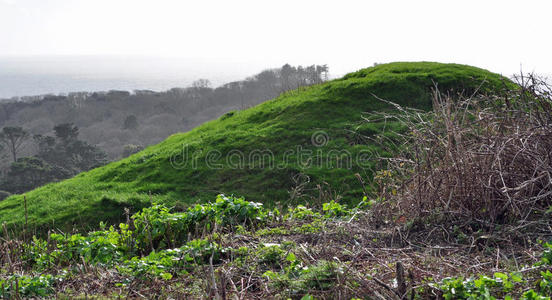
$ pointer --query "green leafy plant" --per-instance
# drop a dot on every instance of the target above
(158, 228)
(298, 279)
(300, 212)
(28, 286)
(333, 209)
(500, 286)
(166, 263)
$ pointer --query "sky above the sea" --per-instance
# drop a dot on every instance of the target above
(501, 36)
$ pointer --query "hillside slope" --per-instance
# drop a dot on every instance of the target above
(279, 151)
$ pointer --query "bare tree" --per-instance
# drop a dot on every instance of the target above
(13, 138)
(201, 83)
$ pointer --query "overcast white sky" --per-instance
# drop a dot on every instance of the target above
(347, 35)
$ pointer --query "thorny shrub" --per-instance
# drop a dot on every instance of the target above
(481, 159)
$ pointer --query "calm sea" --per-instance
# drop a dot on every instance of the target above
(38, 75)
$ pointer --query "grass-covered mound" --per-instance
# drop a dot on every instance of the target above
(305, 145)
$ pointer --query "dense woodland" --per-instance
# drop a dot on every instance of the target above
(51, 137)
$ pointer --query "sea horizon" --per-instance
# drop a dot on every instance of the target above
(28, 76)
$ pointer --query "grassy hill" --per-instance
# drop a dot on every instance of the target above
(301, 140)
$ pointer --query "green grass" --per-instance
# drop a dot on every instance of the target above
(281, 125)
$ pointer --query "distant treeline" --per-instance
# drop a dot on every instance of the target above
(119, 123)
